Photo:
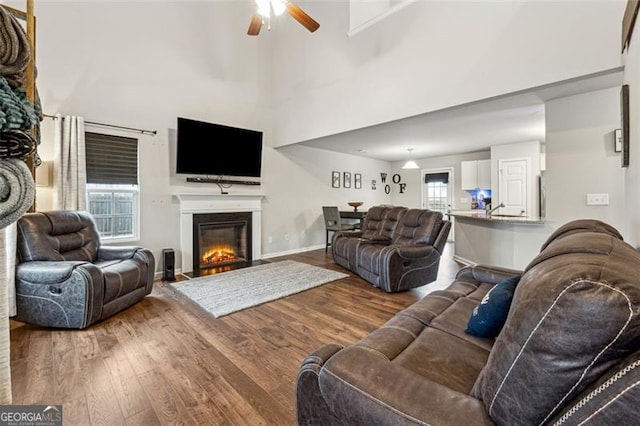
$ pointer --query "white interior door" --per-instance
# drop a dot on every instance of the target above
(513, 186)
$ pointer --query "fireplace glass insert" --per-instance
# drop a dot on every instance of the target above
(221, 239)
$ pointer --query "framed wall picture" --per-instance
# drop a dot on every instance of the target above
(335, 179)
(346, 180)
(357, 181)
(624, 118)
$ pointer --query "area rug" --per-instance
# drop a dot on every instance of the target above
(226, 292)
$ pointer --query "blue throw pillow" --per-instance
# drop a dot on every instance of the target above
(489, 316)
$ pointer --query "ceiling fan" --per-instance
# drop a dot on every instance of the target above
(279, 6)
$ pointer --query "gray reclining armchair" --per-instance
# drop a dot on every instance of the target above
(66, 279)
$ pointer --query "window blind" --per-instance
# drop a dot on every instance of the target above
(111, 159)
(436, 177)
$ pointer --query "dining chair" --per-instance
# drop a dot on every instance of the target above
(333, 223)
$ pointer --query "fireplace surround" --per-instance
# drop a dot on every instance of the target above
(193, 204)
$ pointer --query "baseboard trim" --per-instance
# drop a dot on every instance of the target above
(289, 252)
(465, 262)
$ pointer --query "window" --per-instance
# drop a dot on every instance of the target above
(112, 185)
(437, 191)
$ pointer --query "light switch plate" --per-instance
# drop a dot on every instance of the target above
(598, 199)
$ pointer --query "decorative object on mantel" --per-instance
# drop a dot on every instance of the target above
(355, 205)
(335, 179)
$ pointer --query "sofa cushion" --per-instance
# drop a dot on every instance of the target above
(418, 226)
(57, 236)
(389, 224)
(489, 316)
(373, 221)
(414, 340)
(575, 313)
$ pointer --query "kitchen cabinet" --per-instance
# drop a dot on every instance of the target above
(476, 174)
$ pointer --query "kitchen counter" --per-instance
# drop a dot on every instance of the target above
(507, 241)
(482, 215)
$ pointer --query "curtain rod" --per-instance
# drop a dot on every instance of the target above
(114, 126)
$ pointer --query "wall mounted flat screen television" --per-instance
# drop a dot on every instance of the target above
(217, 150)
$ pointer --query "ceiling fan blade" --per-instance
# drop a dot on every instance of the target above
(299, 15)
(255, 25)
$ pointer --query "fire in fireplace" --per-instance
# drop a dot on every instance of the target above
(221, 239)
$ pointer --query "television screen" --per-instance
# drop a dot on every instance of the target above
(217, 150)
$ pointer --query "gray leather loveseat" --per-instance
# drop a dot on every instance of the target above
(568, 353)
(397, 248)
(66, 278)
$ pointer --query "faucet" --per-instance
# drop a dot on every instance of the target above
(490, 210)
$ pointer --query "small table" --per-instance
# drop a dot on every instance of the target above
(350, 214)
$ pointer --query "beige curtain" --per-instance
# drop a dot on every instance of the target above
(70, 171)
(7, 307)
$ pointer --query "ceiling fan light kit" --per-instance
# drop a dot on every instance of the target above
(265, 7)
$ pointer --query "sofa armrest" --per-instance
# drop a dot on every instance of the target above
(415, 252)
(117, 252)
(65, 294)
(361, 386)
(487, 273)
(404, 267)
(47, 272)
(311, 408)
(443, 235)
(142, 255)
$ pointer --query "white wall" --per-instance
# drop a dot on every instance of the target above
(580, 158)
(632, 174)
(431, 55)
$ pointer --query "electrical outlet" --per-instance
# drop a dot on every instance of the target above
(598, 199)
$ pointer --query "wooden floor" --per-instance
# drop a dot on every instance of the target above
(165, 361)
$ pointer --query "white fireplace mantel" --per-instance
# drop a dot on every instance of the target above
(195, 203)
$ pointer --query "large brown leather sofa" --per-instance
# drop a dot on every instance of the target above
(568, 353)
(396, 249)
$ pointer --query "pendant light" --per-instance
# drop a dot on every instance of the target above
(410, 164)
